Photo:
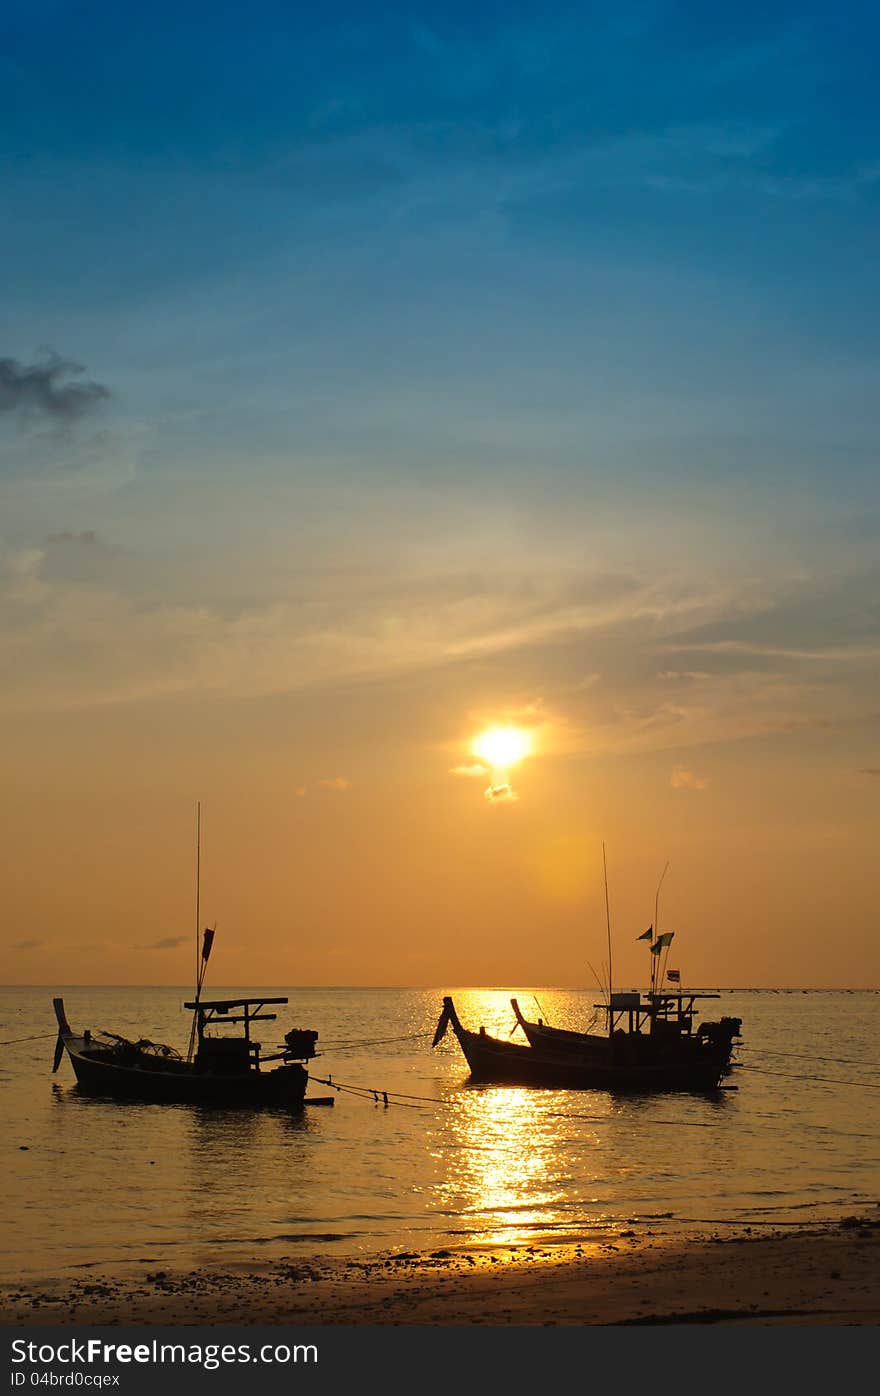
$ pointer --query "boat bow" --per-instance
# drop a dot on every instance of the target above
(448, 1016)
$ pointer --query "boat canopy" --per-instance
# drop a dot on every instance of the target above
(211, 1012)
(676, 1007)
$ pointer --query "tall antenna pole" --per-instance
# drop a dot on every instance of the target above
(197, 882)
(192, 1031)
(608, 925)
(654, 958)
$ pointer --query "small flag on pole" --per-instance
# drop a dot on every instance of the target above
(661, 942)
(674, 976)
(207, 942)
(646, 935)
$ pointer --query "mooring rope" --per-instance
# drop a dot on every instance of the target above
(795, 1076)
(37, 1036)
(816, 1057)
(372, 1093)
(374, 1041)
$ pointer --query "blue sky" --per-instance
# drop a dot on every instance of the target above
(533, 353)
(454, 205)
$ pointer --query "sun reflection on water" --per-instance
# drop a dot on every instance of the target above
(513, 1148)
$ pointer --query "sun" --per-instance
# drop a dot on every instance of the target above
(502, 747)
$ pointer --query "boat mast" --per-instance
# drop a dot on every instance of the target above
(192, 1031)
(654, 958)
(198, 881)
(608, 926)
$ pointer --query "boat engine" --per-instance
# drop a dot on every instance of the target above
(720, 1034)
(300, 1044)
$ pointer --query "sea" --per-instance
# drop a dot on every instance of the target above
(93, 1185)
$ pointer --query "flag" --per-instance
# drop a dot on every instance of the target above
(646, 935)
(207, 942)
(661, 942)
(674, 976)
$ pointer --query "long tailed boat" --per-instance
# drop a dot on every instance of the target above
(628, 1058)
(224, 1070)
(219, 1068)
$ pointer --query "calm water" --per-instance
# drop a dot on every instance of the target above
(105, 1184)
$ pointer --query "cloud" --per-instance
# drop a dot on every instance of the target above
(683, 779)
(500, 794)
(870, 771)
(748, 648)
(45, 389)
(332, 783)
(683, 675)
(475, 770)
(169, 943)
(86, 624)
(88, 538)
(27, 944)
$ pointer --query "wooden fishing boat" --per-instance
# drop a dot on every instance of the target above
(224, 1070)
(625, 1059)
(219, 1068)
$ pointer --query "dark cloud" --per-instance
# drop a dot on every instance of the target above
(27, 944)
(871, 771)
(50, 388)
(169, 943)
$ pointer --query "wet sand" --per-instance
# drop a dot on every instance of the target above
(821, 1275)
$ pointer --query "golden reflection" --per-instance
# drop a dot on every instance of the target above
(512, 1148)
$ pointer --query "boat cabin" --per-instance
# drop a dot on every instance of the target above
(669, 1014)
(233, 1055)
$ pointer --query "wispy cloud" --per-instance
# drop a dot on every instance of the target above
(333, 784)
(168, 943)
(469, 771)
(683, 675)
(27, 944)
(88, 538)
(684, 779)
(820, 653)
(577, 649)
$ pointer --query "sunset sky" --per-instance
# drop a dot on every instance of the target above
(371, 377)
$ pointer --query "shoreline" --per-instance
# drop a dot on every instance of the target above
(827, 1274)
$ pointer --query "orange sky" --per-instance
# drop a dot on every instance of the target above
(342, 843)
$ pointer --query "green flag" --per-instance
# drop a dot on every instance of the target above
(646, 935)
(661, 942)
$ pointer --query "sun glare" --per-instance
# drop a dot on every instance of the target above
(502, 747)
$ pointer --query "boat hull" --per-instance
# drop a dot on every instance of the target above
(494, 1062)
(179, 1083)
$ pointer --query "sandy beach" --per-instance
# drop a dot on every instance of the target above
(816, 1276)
